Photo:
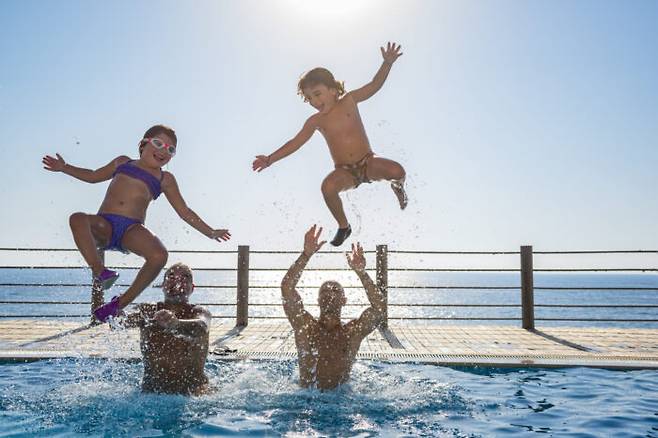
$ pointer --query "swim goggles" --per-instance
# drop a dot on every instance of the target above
(159, 144)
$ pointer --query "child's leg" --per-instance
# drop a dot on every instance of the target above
(337, 181)
(382, 168)
(385, 169)
(142, 242)
(90, 230)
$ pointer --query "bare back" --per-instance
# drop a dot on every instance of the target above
(343, 130)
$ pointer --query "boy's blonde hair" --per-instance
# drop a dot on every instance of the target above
(319, 75)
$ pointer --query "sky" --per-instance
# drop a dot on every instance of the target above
(518, 122)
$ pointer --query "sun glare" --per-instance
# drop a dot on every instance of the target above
(328, 8)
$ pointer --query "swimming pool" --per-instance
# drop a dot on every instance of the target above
(94, 397)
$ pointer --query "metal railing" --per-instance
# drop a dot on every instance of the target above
(243, 268)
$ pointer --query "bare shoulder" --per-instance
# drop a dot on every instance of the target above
(313, 122)
(306, 327)
(199, 310)
(348, 98)
(168, 178)
(121, 159)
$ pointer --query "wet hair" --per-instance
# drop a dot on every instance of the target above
(331, 293)
(155, 130)
(178, 265)
(319, 76)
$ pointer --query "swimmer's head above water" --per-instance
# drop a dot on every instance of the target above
(331, 298)
(178, 283)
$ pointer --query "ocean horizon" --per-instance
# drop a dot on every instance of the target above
(447, 294)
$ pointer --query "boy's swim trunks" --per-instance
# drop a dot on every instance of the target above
(358, 169)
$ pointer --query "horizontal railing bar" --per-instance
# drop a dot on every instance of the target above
(229, 286)
(174, 251)
(346, 269)
(595, 288)
(277, 286)
(390, 318)
(576, 306)
(196, 251)
(391, 251)
(255, 287)
(598, 270)
(181, 251)
(86, 315)
(622, 251)
(411, 317)
(253, 251)
(279, 304)
(595, 320)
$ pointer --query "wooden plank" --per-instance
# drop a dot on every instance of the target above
(449, 345)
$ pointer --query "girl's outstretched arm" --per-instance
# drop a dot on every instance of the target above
(171, 191)
(87, 175)
(264, 161)
(390, 55)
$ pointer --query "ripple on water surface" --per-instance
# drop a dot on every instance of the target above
(261, 398)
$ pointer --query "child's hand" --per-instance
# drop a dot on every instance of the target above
(220, 234)
(261, 162)
(53, 164)
(392, 52)
(358, 260)
(311, 244)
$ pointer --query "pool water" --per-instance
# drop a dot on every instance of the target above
(95, 397)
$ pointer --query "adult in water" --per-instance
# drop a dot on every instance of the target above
(326, 347)
(173, 337)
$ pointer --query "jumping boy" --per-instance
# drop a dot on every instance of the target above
(339, 121)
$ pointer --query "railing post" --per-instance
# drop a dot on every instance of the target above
(97, 293)
(242, 301)
(382, 279)
(527, 289)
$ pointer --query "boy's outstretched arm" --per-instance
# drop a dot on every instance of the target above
(292, 302)
(390, 55)
(87, 175)
(263, 161)
(171, 191)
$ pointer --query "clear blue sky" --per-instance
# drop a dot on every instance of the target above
(519, 122)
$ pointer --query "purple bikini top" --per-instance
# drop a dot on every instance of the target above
(138, 173)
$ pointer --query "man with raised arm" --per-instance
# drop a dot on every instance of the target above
(326, 347)
(173, 337)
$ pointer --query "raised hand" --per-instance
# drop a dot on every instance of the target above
(392, 52)
(53, 164)
(311, 244)
(356, 260)
(261, 162)
(220, 235)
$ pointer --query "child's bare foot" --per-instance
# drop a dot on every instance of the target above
(398, 189)
(341, 235)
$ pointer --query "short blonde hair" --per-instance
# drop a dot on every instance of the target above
(180, 266)
(319, 75)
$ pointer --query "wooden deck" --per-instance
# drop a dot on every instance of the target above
(442, 345)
